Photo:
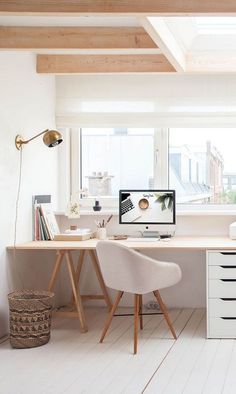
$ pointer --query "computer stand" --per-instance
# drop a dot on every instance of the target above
(155, 234)
(150, 234)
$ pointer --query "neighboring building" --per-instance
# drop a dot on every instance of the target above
(196, 173)
(229, 181)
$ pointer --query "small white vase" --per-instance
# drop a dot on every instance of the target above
(101, 233)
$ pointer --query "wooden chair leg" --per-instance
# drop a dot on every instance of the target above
(136, 319)
(109, 319)
(165, 312)
(141, 311)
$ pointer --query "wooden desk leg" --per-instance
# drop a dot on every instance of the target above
(100, 279)
(77, 297)
(78, 272)
(56, 269)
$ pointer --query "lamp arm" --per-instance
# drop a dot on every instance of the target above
(26, 142)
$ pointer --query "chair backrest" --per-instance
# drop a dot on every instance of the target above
(127, 270)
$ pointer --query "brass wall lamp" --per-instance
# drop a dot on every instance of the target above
(51, 138)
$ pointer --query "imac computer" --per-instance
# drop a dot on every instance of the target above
(147, 209)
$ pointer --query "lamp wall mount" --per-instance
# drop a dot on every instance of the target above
(19, 141)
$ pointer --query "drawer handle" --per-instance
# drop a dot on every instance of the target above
(228, 299)
(228, 318)
(228, 280)
(228, 253)
(228, 266)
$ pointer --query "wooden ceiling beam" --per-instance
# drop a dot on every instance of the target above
(166, 41)
(18, 38)
(122, 7)
(76, 64)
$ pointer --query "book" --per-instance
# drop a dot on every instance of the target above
(36, 234)
(45, 225)
(36, 201)
(46, 234)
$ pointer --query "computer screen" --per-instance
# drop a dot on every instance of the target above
(147, 207)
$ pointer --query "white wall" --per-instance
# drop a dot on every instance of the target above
(26, 107)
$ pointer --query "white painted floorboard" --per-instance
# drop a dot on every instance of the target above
(75, 363)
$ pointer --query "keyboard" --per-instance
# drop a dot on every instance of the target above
(126, 206)
(143, 239)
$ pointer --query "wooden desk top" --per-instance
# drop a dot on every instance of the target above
(198, 243)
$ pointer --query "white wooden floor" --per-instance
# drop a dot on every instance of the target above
(75, 363)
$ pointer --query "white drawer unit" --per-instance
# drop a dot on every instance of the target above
(221, 294)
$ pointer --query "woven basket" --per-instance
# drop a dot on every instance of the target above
(30, 318)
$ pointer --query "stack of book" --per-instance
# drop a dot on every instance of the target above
(45, 226)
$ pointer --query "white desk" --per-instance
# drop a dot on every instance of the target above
(64, 248)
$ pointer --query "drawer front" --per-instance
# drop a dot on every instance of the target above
(221, 328)
(222, 308)
(222, 258)
(221, 288)
(221, 272)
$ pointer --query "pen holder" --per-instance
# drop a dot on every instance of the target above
(101, 233)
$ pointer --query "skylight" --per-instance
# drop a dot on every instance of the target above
(216, 25)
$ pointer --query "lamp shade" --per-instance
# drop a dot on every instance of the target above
(52, 138)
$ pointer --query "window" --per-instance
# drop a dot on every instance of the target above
(199, 163)
(116, 158)
(202, 165)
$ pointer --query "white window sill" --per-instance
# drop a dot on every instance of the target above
(115, 212)
(207, 213)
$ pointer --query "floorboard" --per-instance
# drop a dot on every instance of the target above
(76, 363)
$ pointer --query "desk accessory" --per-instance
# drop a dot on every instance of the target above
(101, 233)
(232, 230)
(165, 236)
(74, 227)
(118, 237)
(101, 228)
(97, 207)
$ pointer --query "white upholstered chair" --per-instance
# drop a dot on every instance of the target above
(126, 270)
